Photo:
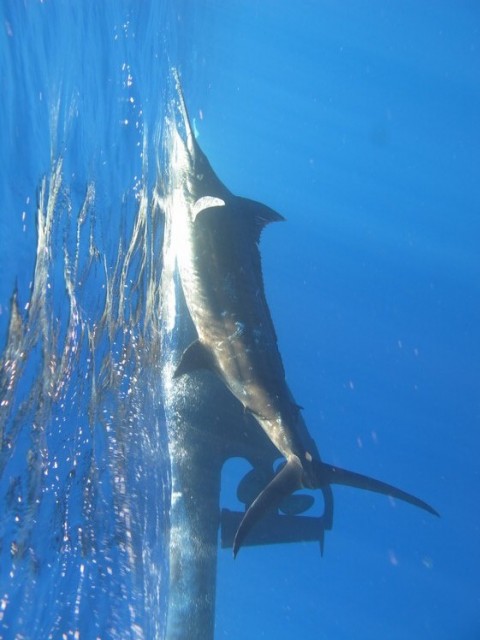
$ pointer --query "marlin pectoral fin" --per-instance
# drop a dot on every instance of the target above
(205, 203)
(329, 474)
(195, 357)
(287, 480)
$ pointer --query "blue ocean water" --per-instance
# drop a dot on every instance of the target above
(360, 124)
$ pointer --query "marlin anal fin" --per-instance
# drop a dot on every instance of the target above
(195, 357)
(329, 474)
(287, 480)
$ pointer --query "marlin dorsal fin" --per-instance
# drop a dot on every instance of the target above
(260, 213)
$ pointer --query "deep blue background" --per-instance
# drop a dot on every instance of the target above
(360, 123)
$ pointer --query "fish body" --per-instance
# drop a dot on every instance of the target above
(218, 259)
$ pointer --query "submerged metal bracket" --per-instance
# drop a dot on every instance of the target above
(274, 528)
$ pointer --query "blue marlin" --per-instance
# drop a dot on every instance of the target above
(221, 277)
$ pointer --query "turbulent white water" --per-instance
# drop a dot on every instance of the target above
(82, 444)
(84, 469)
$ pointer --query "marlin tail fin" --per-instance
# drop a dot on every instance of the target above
(291, 478)
(327, 474)
(287, 480)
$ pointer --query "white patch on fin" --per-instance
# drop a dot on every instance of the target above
(206, 203)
